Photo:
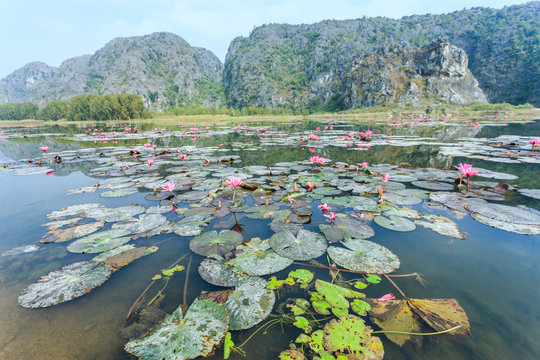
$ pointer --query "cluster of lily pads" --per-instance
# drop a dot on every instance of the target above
(285, 197)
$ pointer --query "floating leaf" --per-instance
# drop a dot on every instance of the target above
(360, 307)
(364, 256)
(351, 335)
(100, 241)
(505, 213)
(303, 276)
(360, 285)
(525, 229)
(395, 223)
(219, 274)
(184, 337)
(65, 284)
(73, 210)
(372, 278)
(257, 258)
(321, 307)
(291, 355)
(442, 314)
(171, 271)
(249, 304)
(306, 245)
(61, 235)
(261, 211)
(274, 283)
(118, 193)
(441, 225)
(228, 344)
(346, 228)
(121, 213)
(302, 323)
(316, 341)
(336, 295)
(126, 257)
(145, 223)
(214, 243)
(191, 226)
(433, 185)
(395, 315)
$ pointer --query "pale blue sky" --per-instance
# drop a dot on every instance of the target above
(54, 30)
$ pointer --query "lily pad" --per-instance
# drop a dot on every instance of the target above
(191, 226)
(395, 315)
(121, 213)
(532, 193)
(525, 229)
(65, 284)
(144, 223)
(257, 258)
(346, 228)
(61, 235)
(441, 225)
(261, 211)
(351, 335)
(335, 295)
(364, 256)
(249, 304)
(306, 245)
(73, 210)
(100, 241)
(184, 337)
(217, 273)
(441, 314)
(118, 193)
(126, 257)
(395, 223)
(505, 213)
(433, 185)
(214, 243)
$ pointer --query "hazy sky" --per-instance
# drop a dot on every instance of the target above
(54, 30)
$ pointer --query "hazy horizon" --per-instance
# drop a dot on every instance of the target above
(54, 31)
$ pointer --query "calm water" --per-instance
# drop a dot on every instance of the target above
(492, 273)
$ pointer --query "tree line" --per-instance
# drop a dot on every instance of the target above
(79, 108)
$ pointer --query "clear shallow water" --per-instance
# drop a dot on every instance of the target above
(492, 273)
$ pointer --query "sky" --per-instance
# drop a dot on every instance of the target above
(54, 30)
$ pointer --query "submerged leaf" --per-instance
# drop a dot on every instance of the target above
(184, 337)
(61, 235)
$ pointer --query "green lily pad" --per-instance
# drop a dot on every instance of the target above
(346, 228)
(118, 193)
(336, 295)
(291, 355)
(61, 235)
(525, 229)
(100, 241)
(441, 225)
(306, 245)
(217, 273)
(261, 211)
(433, 185)
(121, 213)
(364, 256)
(351, 335)
(68, 283)
(144, 223)
(302, 276)
(214, 243)
(249, 304)
(360, 307)
(278, 226)
(191, 226)
(257, 258)
(395, 223)
(184, 337)
(505, 213)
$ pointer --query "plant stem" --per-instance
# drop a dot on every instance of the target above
(419, 334)
(187, 278)
(393, 283)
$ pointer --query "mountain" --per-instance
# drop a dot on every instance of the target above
(479, 54)
(161, 67)
(336, 65)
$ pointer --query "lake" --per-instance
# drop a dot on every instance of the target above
(485, 256)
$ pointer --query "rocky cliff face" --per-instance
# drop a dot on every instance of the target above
(335, 65)
(162, 68)
(20, 85)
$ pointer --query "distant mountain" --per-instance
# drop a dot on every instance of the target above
(337, 65)
(162, 68)
(480, 54)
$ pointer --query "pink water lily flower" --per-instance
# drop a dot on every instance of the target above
(310, 186)
(150, 162)
(44, 148)
(365, 165)
(331, 215)
(234, 182)
(182, 156)
(386, 297)
(324, 207)
(386, 177)
(169, 186)
(534, 144)
(147, 145)
(314, 159)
